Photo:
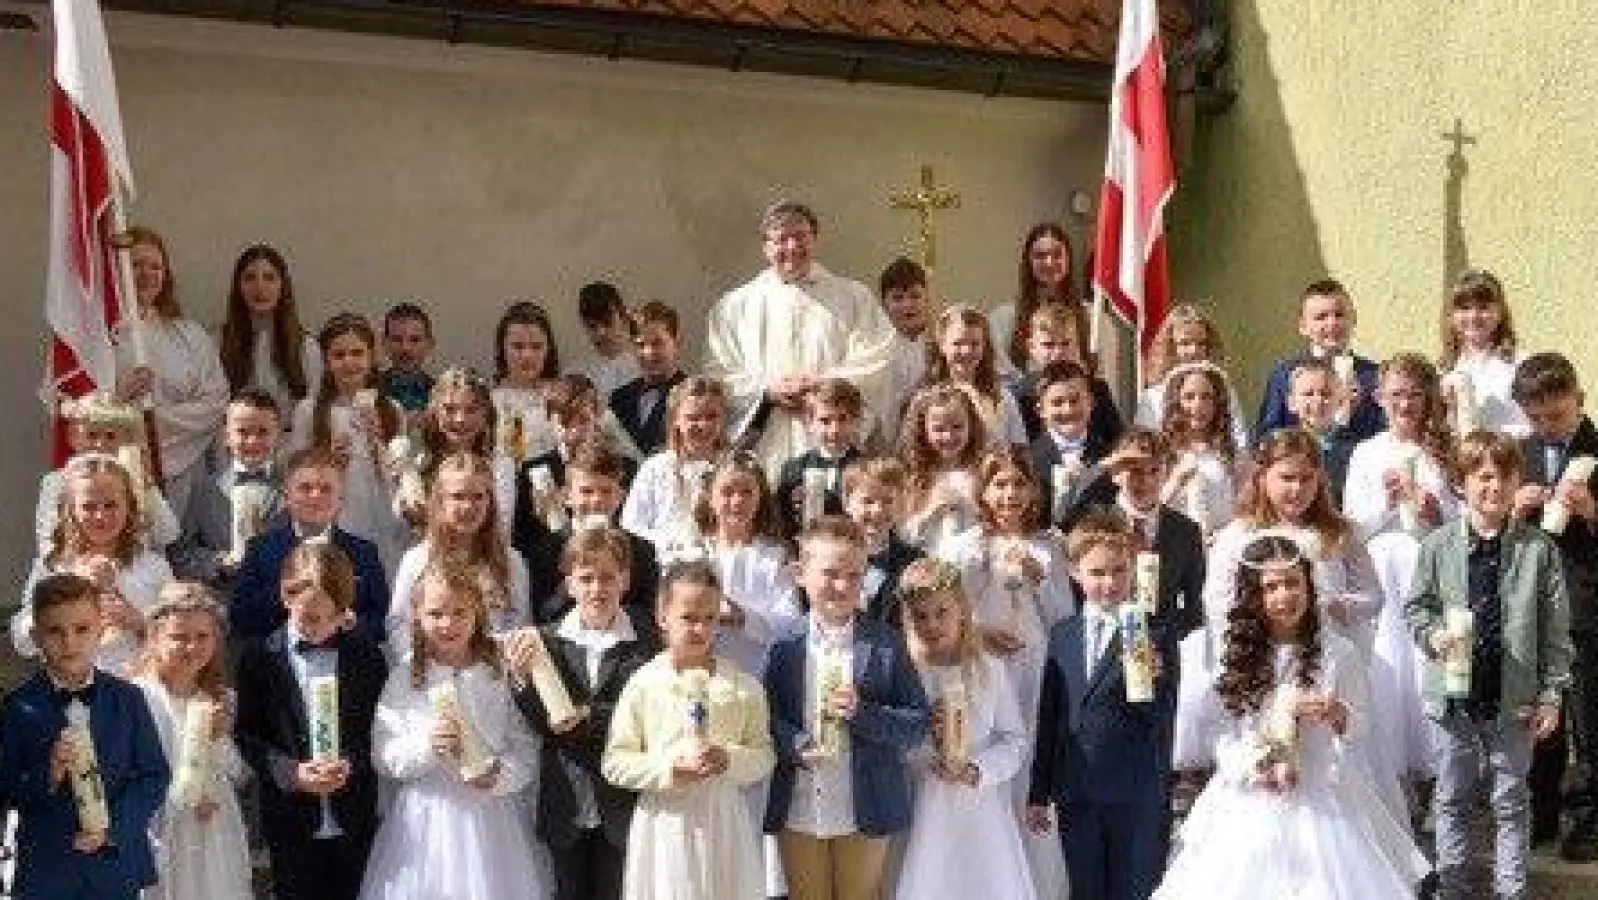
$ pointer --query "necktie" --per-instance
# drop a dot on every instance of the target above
(1553, 460)
(1101, 632)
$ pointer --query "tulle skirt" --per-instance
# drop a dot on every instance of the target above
(1331, 841)
(965, 842)
(444, 840)
(694, 844)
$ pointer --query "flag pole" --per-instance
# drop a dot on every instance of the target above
(128, 300)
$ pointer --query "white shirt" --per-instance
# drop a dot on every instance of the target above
(824, 326)
(823, 794)
(264, 372)
(659, 507)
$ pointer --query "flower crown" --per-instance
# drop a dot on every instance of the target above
(1188, 368)
(927, 577)
(461, 377)
(99, 408)
(1305, 548)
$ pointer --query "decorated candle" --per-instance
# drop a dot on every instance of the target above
(540, 671)
(1459, 623)
(88, 791)
(1137, 654)
(1556, 515)
(954, 740)
(192, 774)
(476, 760)
(1146, 581)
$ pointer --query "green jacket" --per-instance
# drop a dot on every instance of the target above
(1536, 615)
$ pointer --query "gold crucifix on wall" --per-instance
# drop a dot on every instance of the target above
(926, 199)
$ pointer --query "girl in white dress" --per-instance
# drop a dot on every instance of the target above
(1289, 812)
(1198, 430)
(1187, 337)
(525, 360)
(690, 731)
(462, 532)
(1479, 354)
(960, 350)
(99, 535)
(738, 515)
(179, 370)
(1014, 572)
(448, 731)
(96, 424)
(348, 415)
(459, 418)
(1287, 490)
(964, 808)
(202, 852)
(665, 492)
(940, 444)
(263, 344)
(1399, 489)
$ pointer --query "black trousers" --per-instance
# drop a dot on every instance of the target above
(310, 869)
(588, 868)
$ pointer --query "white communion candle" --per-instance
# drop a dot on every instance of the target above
(1146, 581)
(88, 791)
(476, 760)
(1459, 623)
(1137, 654)
(552, 692)
(324, 718)
(192, 775)
(1467, 410)
(1556, 515)
(814, 502)
(830, 676)
(955, 740)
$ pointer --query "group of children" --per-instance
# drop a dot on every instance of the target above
(555, 634)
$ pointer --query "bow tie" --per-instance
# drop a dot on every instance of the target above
(303, 646)
(84, 695)
(252, 476)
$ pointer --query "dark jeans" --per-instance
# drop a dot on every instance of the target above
(319, 870)
(589, 868)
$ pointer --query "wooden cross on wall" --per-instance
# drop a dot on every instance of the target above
(926, 199)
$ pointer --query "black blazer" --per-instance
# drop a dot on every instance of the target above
(1578, 544)
(546, 585)
(1090, 486)
(648, 433)
(525, 520)
(883, 570)
(272, 727)
(1104, 423)
(790, 483)
(581, 749)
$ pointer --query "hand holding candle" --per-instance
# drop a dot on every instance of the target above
(530, 655)
(1137, 654)
(1556, 514)
(192, 776)
(830, 676)
(954, 735)
(83, 769)
(475, 761)
(1459, 626)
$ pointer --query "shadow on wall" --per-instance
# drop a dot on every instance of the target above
(1245, 240)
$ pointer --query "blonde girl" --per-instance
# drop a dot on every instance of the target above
(942, 440)
(1200, 436)
(963, 799)
(349, 416)
(99, 535)
(1480, 351)
(459, 418)
(660, 505)
(463, 531)
(448, 731)
(204, 854)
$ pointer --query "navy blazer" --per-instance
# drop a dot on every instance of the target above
(1578, 544)
(648, 433)
(133, 769)
(789, 491)
(1092, 745)
(1367, 421)
(892, 717)
(272, 728)
(257, 607)
(1180, 543)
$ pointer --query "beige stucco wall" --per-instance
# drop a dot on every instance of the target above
(391, 169)
(1334, 161)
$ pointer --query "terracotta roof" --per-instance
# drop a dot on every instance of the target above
(1073, 30)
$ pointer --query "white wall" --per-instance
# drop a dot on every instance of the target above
(391, 169)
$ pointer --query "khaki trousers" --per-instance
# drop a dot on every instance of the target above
(841, 868)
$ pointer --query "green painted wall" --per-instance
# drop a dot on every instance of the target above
(1333, 160)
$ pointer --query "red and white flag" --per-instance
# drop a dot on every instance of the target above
(89, 178)
(1129, 266)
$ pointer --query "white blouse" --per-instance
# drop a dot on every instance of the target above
(1365, 500)
(755, 578)
(1491, 379)
(401, 747)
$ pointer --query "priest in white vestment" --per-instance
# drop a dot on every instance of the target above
(774, 337)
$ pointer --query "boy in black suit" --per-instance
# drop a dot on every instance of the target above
(318, 813)
(833, 411)
(1549, 391)
(593, 494)
(1066, 453)
(873, 496)
(596, 647)
(640, 404)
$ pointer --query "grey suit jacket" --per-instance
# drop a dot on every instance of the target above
(1536, 614)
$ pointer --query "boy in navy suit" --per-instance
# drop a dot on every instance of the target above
(841, 787)
(250, 432)
(1320, 403)
(873, 496)
(1102, 762)
(833, 411)
(640, 404)
(596, 647)
(313, 491)
(1548, 389)
(301, 793)
(594, 490)
(1326, 320)
(57, 856)
(1065, 455)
